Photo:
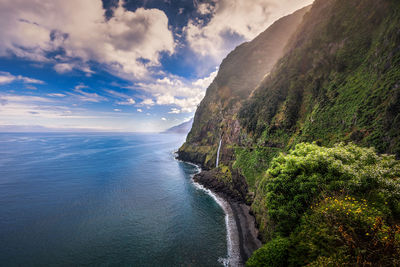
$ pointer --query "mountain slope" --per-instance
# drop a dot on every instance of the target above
(339, 81)
(182, 128)
(239, 74)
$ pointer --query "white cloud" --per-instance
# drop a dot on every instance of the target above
(30, 87)
(164, 119)
(6, 77)
(117, 110)
(24, 99)
(67, 67)
(29, 80)
(175, 111)
(173, 90)
(86, 96)
(128, 44)
(116, 94)
(80, 86)
(147, 102)
(129, 101)
(56, 95)
(205, 8)
(139, 110)
(63, 67)
(244, 18)
(124, 99)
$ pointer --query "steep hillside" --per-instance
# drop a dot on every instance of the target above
(239, 73)
(337, 81)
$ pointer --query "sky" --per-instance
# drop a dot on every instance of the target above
(125, 66)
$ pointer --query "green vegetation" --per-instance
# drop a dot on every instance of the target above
(339, 81)
(345, 231)
(338, 205)
(273, 254)
(253, 162)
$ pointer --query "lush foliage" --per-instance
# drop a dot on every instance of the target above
(346, 231)
(296, 180)
(335, 205)
(274, 253)
(253, 162)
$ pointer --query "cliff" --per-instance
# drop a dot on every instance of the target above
(339, 81)
(334, 78)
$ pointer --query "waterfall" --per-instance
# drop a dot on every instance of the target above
(219, 148)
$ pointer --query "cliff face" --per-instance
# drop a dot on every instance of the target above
(338, 80)
(238, 75)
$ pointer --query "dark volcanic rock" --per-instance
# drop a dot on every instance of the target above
(234, 190)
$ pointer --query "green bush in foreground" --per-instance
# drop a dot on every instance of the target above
(334, 206)
(347, 231)
(274, 253)
(297, 180)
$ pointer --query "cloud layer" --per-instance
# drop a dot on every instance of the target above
(128, 44)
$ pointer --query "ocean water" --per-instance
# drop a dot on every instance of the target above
(104, 200)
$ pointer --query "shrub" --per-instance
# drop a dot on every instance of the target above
(347, 231)
(272, 254)
(297, 180)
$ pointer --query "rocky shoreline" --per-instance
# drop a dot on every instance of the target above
(245, 221)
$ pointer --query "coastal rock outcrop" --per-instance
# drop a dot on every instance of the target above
(222, 181)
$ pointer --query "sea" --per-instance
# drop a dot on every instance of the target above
(105, 199)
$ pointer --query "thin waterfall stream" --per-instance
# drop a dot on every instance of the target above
(219, 148)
